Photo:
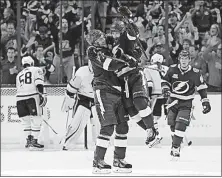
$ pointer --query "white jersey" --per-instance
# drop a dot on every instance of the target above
(81, 83)
(154, 79)
(26, 82)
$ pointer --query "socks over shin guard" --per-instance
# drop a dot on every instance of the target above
(179, 133)
(120, 143)
(141, 124)
(102, 144)
(148, 121)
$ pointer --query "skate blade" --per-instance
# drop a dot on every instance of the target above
(155, 142)
(101, 171)
(175, 158)
(35, 149)
(122, 170)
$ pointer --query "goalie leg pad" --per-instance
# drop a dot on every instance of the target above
(77, 125)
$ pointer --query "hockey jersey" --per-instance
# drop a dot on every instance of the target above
(183, 84)
(154, 77)
(81, 83)
(26, 82)
(103, 69)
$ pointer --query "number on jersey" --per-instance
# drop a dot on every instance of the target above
(25, 78)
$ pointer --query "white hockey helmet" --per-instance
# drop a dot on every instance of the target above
(27, 60)
(157, 58)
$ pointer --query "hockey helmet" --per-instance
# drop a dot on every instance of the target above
(157, 58)
(27, 60)
(93, 36)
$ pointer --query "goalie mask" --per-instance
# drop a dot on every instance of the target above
(96, 38)
(184, 59)
(27, 60)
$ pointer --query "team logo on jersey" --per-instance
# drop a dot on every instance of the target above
(180, 87)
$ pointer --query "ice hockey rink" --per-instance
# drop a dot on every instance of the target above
(202, 158)
(195, 161)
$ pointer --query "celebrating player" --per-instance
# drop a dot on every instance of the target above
(135, 97)
(30, 100)
(108, 101)
(181, 81)
(79, 94)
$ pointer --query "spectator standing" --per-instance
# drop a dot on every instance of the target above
(43, 62)
(70, 37)
(201, 16)
(197, 61)
(213, 59)
(214, 38)
(10, 39)
(9, 68)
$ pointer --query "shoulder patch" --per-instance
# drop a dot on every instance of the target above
(196, 70)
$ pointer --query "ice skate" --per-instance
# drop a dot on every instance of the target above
(35, 146)
(29, 140)
(101, 167)
(175, 153)
(157, 143)
(121, 166)
(152, 139)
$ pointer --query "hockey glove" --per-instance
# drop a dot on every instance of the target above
(43, 100)
(130, 60)
(124, 11)
(206, 105)
(166, 92)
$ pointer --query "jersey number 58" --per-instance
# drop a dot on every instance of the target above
(25, 78)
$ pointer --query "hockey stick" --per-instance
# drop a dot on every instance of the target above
(137, 40)
(50, 126)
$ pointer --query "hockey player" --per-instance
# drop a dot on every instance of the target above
(80, 98)
(108, 101)
(181, 81)
(153, 74)
(30, 101)
(135, 97)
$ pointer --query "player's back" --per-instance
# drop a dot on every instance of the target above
(27, 80)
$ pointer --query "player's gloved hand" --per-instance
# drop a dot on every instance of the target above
(130, 60)
(124, 11)
(206, 105)
(166, 92)
(43, 100)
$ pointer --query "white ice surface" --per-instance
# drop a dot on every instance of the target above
(195, 161)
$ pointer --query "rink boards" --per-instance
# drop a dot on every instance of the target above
(205, 130)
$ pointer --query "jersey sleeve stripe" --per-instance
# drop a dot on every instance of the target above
(201, 87)
(107, 63)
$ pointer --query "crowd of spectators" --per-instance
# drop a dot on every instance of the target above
(192, 25)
